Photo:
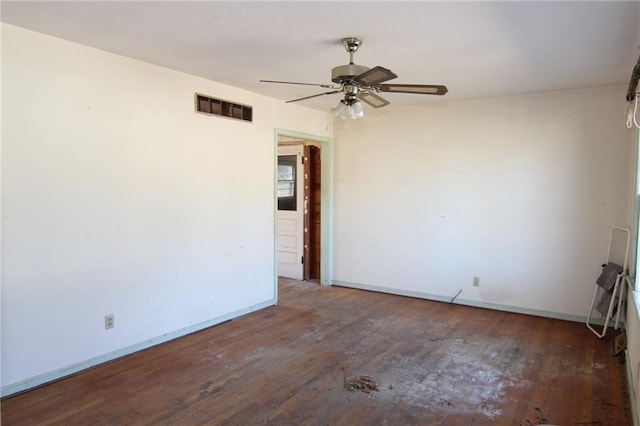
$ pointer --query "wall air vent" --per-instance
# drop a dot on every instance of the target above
(213, 106)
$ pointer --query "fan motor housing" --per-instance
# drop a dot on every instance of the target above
(347, 72)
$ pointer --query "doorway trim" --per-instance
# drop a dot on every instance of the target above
(326, 208)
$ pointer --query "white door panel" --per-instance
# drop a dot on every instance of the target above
(287, 224)
(287, 242)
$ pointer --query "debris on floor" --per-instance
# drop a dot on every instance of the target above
(619, 344)
(444, 402)
(361, 383)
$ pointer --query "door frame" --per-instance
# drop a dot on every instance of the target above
(326, 208)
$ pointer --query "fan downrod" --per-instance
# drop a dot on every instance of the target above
(344, 73)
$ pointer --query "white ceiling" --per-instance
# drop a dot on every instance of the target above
(477, 49)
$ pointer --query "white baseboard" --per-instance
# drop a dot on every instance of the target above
(466, 302)
(110, 356)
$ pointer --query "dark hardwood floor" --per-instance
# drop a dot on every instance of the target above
(434, 363)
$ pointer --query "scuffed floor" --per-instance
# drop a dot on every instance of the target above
(433, 364)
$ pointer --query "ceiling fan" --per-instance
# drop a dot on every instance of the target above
(360, 83)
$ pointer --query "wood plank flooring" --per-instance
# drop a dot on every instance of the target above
(435, 364)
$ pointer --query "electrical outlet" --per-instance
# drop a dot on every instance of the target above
(108, 321)
(476, 281)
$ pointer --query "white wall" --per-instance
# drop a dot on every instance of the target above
(118, 198)
(519, 191)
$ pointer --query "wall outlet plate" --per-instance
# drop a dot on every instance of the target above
(108, 321)
(476, 281)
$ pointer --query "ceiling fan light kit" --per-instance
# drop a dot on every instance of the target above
(360, 83)
(351, 110)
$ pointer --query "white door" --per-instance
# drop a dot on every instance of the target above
(290, 214)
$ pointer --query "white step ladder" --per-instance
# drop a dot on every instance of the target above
(610, 285)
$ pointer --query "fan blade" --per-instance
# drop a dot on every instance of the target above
(373, 99)
(326, 86)
(421, 89)
(374, 76)
(313, 96)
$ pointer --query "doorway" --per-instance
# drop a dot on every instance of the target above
(299, 209)
(290, 219)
